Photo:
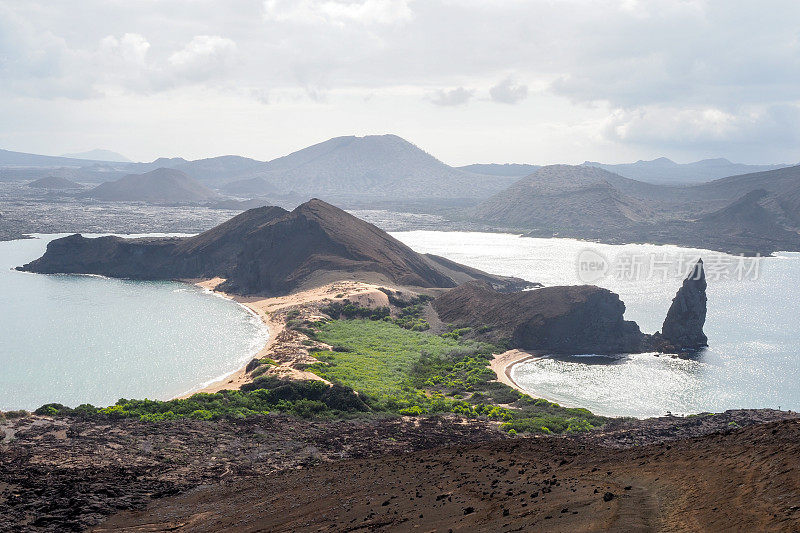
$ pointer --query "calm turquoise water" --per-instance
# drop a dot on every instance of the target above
(77, 339)
(752, 326)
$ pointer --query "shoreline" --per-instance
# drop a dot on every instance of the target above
(236, 378)
(503, 363)
(284, 346)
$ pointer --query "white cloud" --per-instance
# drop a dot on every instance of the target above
(708, 129)
(452, 97)
(204, 56)
(338, 12)
(508, 92)
(131, 48)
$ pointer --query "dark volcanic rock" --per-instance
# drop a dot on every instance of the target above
(567, 320)
(266, 250)
(683, 327)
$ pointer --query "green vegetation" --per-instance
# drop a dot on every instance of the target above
(306, 399)
(8, 415)
(413, 373)
(377, 366)
(409, 317)
(348, 309)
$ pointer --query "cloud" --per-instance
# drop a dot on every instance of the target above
(131, 48)
(204, 56)
(452, 97)
(708, 129)
(637, 73)
(338, 12)
(508, 92)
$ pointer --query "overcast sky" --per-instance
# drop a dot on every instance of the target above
(467, 80)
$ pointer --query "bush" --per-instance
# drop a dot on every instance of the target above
(411, 373)
(306, 399)
(13, 414)
(53, 409)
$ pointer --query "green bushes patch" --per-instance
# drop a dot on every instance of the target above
(413, 373)
(306, 399)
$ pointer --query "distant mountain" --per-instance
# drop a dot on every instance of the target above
(753, 213)
(495, 169)
(217, 170)
(99, 155)
(564, 197)
(349, 169)
(54, 182)
(163, 185)
(667, 172)
(249, 187)
(22, 159)
(375, 166)
(266, 250)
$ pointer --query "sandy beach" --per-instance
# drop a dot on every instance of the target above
(286, 346)
(503, 364)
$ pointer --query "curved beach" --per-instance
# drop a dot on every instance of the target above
(503, 364)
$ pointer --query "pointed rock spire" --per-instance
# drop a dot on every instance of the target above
(683, 327)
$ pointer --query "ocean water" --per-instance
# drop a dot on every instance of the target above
(88, 339)
(753, 359)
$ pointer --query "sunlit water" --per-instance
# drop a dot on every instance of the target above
(754, 355)
(79, 339)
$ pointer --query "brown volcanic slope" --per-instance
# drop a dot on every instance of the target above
(746, 480)
(163, 185)
(266, 250)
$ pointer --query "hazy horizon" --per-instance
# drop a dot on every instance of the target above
(84, 154)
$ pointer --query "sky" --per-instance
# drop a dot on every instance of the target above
(469, 81)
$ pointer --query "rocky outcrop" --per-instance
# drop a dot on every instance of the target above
(683, 327)
(575, 319)
(266, 250)
(565, 320)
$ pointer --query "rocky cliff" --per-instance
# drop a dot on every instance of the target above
(266, 250)
(575, 319)
(566, 320)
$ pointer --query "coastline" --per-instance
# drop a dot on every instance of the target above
(284, 346)
(503, 364)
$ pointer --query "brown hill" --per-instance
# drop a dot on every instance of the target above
(163, 185)
(266, 250)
